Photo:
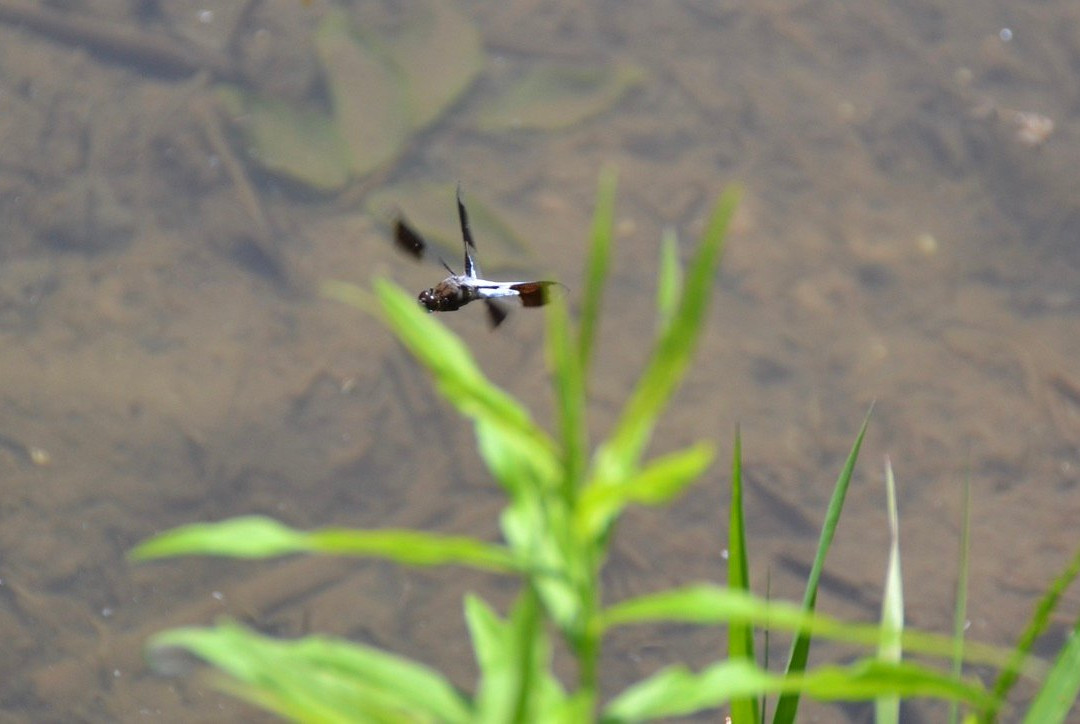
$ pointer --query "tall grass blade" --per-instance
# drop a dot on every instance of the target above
(669, 281)
(671, 355)
(740, 635)
(788, 705)
(597, 266)
(887, 708)
(568, 382)
(960, 609)
(1040, 619)
(1058, 695)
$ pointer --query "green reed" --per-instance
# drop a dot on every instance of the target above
(564, 497)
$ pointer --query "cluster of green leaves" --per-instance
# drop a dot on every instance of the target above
(564, 497)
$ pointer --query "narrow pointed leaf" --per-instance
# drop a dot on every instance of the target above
(514, 658)
(887, 709)
(568, 381)
(669, 279)
(740, 635)
(597, 266)
(260, 537)
(676, 691)
(671, 355)
(787, 707)
(1038, 624)
(960, 609)
(713, 605)
(319, 679)
(1057, 697)
(661, 481)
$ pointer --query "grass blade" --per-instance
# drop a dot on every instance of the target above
(677, 691)
(659, 482)
(1040, 619)
(597, 266)
(568, 382)
(707, 604)
(740, 635)
(887, 709)
(960, 610)
(1058, 694)
(671, 355)
(260, 537)
(669, 282)
(788, 705)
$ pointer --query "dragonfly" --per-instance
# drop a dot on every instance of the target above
(457, 290)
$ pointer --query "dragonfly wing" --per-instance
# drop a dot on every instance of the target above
(470, 246)
(408, 239)
(533, 294)
(496, 312)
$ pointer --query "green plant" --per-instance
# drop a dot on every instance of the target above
(564, 500)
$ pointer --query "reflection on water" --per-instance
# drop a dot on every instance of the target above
(909, 237)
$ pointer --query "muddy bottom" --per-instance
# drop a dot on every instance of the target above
(908, 240)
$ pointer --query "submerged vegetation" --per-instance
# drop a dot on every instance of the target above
(383, 86)
(565, 496)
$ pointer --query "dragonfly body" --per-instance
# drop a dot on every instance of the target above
(457, 290)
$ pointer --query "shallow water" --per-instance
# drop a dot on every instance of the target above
(905, 240)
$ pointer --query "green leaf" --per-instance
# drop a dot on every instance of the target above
(497, 689)
(1057, 696)
(669, 282)
(671, 355)
(568, 381)
(660, 482)
(260, 537)
(709, 604)
(676, 691)
(887, 709)
(514, 658)
(460, 379)
(787, 707)
(597, 266)
(317, 679)
(1040, 620)
(414, 548)
(740, 635)
(960, 609)
(245, 537)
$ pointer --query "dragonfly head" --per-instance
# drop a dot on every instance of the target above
(429, 300)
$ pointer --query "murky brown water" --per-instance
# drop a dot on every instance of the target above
(166, 357)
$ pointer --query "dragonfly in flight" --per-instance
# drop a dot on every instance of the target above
(457, 290)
